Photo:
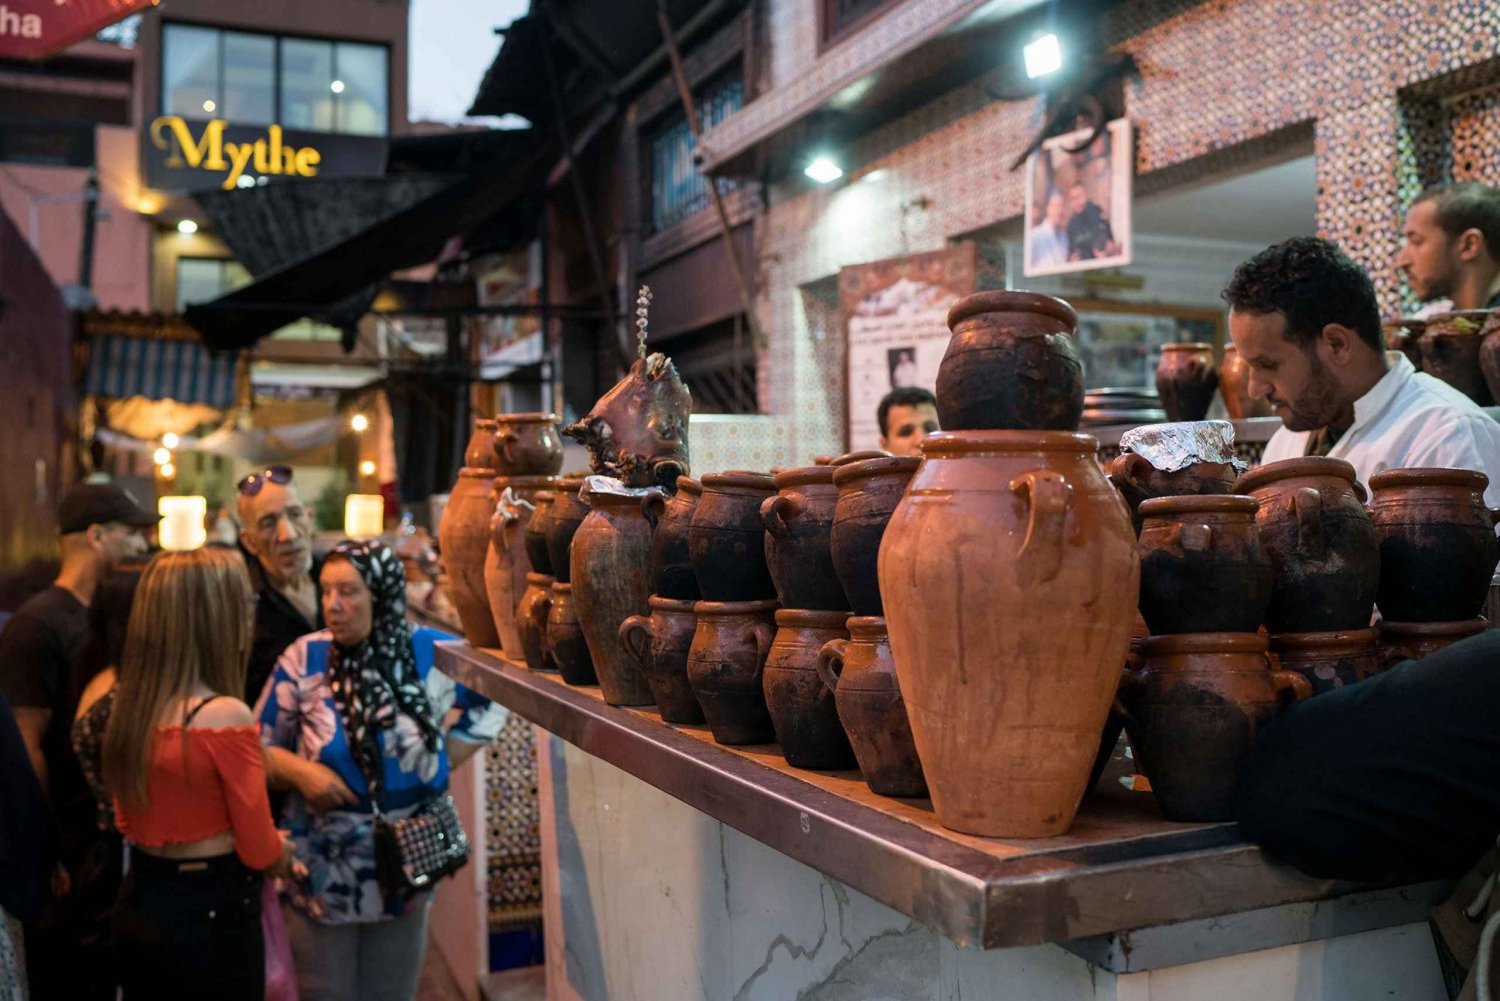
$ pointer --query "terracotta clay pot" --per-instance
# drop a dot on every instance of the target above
(726, 538)
(567, 514)
(1328, 660)
(659, 645)
(863, 455)
(565, 639)
(479, 453)
(725, 668)
(1186, 380)
(535, 535)
(1437, 543)
(868, 493)
(671, 565)
(1414, 640)
(1138, 481)
(611, 575)
(861, 673)
(464, 540)
(1203, 569)
(506, 564)
(1194, 708)
(1489, 353)
(1405, 336)
(802, 708)
(1011, 364)
(1322, 544)
(1008, 567)
(1450, 351)
(528, 445)
(1234, 388)
(798, 521)
(531, 621)
(822, 460)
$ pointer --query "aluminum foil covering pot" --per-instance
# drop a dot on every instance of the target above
(1175, 446)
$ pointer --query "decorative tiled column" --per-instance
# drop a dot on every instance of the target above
(1359, 191)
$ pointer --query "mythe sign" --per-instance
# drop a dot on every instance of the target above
(186, 155)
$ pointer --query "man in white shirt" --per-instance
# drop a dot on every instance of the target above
(1450, 247)
(1304, 318)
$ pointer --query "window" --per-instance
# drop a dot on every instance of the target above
(201, 279)
(840, 17)
(252, 79)
(677, 188)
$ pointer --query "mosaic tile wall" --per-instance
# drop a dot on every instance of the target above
(513, 837)
(1216, 77)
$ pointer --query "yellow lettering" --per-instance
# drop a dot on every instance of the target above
(239, 156)
(274, 156)
(207, 152)
(269, 154)
(307, 162)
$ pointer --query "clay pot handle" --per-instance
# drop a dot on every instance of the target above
(1048, 496)
(635, 633)
(1290, 687)
(1197, 539)
(653, 506)
(831, 662)
(1308, 505)
(505, 447)
(1132, 687)
(1127, 468)
(1361, 493)
(763, 633)
(774, 512)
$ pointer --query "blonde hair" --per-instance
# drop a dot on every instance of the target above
(190, 625)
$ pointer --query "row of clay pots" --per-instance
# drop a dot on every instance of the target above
(516, 445)
(1462, 348)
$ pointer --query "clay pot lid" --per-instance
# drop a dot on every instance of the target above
(740, 479)
(803, 476)
(894, 465)
(1465, 627)
(660, 604)
(1286, 469)
(867, 627)
(713, 608)
(542, 580)
(1162, 507)
(558, 587)
(1187, 346)
(811, 618)
(484, 424)
(961, 442)
(1205, 643)
(527, 418)
(524, 482)
(1011, 302)
(688, 485)
(1429, 476)
(1333, 639)
(862, 455)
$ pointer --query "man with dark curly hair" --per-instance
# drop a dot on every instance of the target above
(1304, 318)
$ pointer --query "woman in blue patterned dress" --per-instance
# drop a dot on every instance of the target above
(366, 682)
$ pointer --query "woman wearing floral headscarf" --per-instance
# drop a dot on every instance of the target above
(338, 698)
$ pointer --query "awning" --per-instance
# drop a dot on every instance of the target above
(154, 356)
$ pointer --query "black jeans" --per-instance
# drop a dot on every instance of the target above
(1396, 778)
(190, 929)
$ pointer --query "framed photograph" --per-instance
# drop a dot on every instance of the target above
(1120, 342)
(1078, 201)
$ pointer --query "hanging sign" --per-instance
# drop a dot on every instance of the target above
(36, 29)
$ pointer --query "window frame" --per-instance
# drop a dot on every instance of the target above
(831, 33)
(670, 117)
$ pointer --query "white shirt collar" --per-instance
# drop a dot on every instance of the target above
(1381, 395)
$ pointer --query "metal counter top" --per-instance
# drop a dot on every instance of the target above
(1121, 867)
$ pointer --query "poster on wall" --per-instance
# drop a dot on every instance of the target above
(1078, 201)
(895, 319)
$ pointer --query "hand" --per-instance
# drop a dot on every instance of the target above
(322, 788)
(287, 865)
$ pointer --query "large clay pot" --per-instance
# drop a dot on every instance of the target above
(1138, 481)
(531, 622)
(535, 535)
(868, 493)
(528, 445)
(1193, 711)
(1450, 351)
(1011, 364)
(565, 639)
(726, 666)
(671, 565)
(1186, 380)
(861, 673)
(1437, 543)
(464, 540)
(1203, 569)
(1234, 388)
(1414, 640)
(506, 564)
(863, 455)
(659, 645)
(1328, 660)
(1008, 568)
(611, 573)
(479, 453)
(1322, 544)
(567, 514)
(798, 521)
(1405, 336)
(1489, 353)
(726, 538)
(802, 708)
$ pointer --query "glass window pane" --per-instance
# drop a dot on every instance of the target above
(306, 76)
(199, 279)
(189, 71)
(362, 101)
(249, 79)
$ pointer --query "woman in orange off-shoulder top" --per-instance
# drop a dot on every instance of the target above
(183, 763)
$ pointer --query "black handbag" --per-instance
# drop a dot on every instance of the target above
(413, 853)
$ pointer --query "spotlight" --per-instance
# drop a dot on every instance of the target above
(359, 422)
(245, 181)
(187, 227)
(161, 456)
(1043, 56)
(823, 170)
(168, 470)
(337, 86)
(367, 468)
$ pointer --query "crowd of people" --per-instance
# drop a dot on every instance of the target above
(153, 825)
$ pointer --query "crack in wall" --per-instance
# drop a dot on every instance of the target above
(793, 950)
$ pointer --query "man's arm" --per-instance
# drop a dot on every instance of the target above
(33, 724)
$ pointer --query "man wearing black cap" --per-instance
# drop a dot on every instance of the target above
(100, 524)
